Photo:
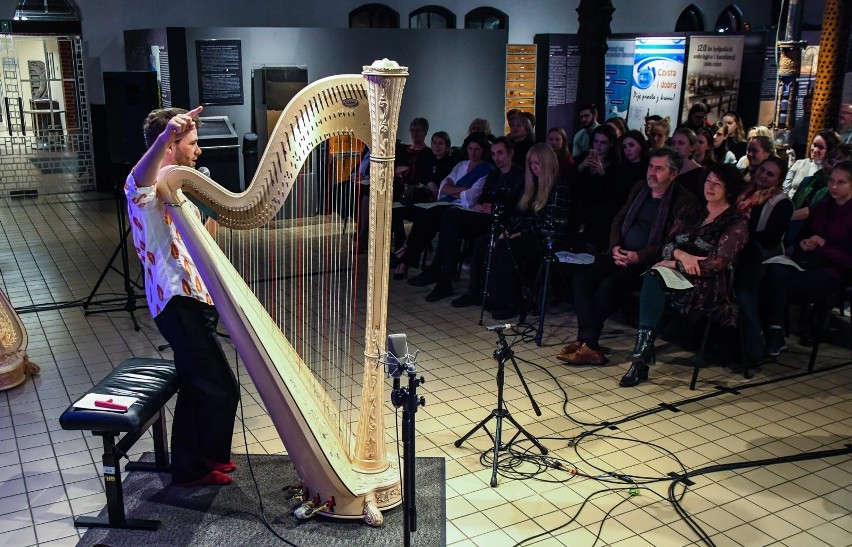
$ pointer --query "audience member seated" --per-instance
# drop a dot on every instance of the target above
(812, 190)
(844, 123)
(520, 242)
(691, 175)
(636, 234)
(502, 189)
(597, 192)
(737, 141)
(558, 140)
(649, 124)
(824, 255)
(696, 118)
(823, 143)
(702, 247)
(659, 135)
(413, 165)
(721, 153)
(618, 124)
(769, 210)
(477, 125)
(523, 137)
(444, 163)
(588, 118)
(461, 187)
(759, 148)
(703, 153)
(634, 156)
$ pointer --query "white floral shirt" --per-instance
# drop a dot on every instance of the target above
(169, 270)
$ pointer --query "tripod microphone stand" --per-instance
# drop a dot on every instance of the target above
(541, 285)
(130, 296)
(502, 354)
(496, 224)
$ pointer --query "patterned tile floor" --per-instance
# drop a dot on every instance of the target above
(610, 488)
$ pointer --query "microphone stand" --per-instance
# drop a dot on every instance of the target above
(502, 354)
(496, 214)
(408, 399)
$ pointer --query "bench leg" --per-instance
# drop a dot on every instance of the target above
(161, 448)
(115, 495)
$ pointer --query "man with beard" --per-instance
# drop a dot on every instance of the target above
(182, 308)
(588, 123)
(636, 236)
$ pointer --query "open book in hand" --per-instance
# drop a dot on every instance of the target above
(783, 260)
(673, 278)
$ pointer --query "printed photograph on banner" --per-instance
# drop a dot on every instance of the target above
(713, 75)
(657, 80)
(619, 77)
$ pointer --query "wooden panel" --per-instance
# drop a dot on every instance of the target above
(521, 58)
(520, 67)
(520, 77)
(521, 104)
(528, 92)
(521, 48)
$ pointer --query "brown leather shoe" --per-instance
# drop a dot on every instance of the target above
(571, 348)
(583, 356)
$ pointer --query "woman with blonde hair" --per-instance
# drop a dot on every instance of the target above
(518, 244)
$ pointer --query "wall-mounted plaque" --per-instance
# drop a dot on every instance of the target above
(220, 72)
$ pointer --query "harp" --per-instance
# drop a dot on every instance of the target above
(15, 365)
(343, 464)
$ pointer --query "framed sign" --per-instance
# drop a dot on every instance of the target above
(220, 72)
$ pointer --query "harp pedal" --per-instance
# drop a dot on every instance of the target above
(309, 509)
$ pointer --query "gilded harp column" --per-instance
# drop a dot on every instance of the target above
(385, 80)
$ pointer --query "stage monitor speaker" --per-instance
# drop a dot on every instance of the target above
(130, 96)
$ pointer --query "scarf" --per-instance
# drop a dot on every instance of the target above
(470, 178)
(754, 196)
(657, 228)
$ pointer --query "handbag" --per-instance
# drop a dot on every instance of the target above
(416, 194)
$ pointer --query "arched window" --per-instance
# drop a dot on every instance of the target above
(730, 20)
(486, 18)
(432, 17)
(53, 10)
(373, 16)
(690, 20)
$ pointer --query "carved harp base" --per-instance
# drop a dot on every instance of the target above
(14, 369)
(383, 492)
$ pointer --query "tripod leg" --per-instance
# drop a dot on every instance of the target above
(476, 428)
(525, 433)
(542, 301)
(497, 435)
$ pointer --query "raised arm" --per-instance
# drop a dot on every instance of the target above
(145, 170)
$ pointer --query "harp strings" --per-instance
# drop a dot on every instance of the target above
(304, 268)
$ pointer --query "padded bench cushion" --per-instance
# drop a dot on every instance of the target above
(152, 381)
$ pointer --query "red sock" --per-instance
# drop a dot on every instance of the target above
(214, 478)
(220, 467)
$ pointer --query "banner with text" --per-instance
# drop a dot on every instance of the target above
(619, 75)
(713, 74)
(657, 80)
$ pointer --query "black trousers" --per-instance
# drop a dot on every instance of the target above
(511, 262)
(426, 225)
(207, 400)
(457, 224)
(599, 289)
(783, 283)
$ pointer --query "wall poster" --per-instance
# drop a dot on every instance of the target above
(657, 80)
(220, 72)
(713, 74)
(619, 76)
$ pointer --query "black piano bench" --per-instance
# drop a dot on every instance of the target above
(153, 382)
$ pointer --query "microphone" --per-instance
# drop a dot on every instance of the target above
(398, 358)
(499, 327)
(204, 171)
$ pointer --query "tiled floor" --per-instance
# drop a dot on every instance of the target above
(611, 488)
